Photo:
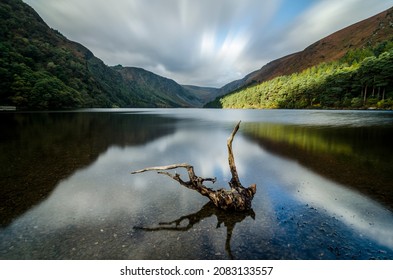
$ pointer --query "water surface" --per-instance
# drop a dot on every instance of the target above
(323, 180)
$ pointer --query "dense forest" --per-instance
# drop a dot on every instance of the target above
(42, 69)
(363, 78)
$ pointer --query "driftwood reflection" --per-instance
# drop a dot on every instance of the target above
(229, 219)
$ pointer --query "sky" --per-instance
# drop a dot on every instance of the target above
(200, 42)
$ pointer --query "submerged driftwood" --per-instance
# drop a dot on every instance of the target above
(238, 198)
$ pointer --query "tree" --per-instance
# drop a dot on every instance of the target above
(50, 92)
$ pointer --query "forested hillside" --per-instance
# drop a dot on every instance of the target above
(363, 78)
(163, 92)
(41, 69)
(350, 68)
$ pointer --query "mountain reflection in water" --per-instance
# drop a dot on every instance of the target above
(94, 210)
(353, 156)
(38, 150)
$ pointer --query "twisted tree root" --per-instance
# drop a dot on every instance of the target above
(237, 198)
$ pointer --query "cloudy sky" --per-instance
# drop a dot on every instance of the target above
(200, 42)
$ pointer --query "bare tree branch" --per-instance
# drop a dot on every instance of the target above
(235, 182)
(166, 167)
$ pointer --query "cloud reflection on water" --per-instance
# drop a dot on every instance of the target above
(357, 211)
(106, 191)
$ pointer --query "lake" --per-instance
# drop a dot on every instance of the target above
(324, 184)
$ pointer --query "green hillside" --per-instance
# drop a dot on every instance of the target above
(350, 68)
(41, 69)
(363, 78)
(161, 91)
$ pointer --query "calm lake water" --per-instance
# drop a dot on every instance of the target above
(324, 184)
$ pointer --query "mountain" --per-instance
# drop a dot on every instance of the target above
(366, 39)
(42, 69)
(205, 94)
(162, 91)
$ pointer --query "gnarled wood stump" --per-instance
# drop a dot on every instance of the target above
(238, 198)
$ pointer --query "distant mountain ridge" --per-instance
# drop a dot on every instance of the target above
(165, 91)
